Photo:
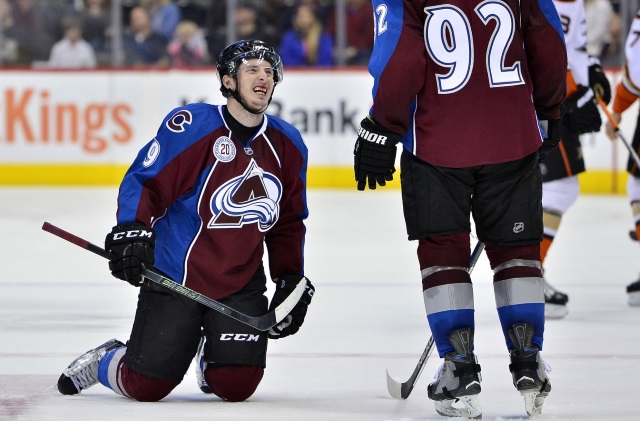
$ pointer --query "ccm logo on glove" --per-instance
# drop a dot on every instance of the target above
(132, 234)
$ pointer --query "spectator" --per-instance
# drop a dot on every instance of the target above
(96, 22)
(306, 44)
(8, 46)
(359, 31)
(188, 48)
(601, 21)
(248, 26)
(165, 16)
(28, 20)
(143, 46)
(72, 51)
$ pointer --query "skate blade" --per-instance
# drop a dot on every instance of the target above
(533, 401)
(470, 409)
(555, 311)
(634, 298)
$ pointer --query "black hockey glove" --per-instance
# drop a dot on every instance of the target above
(374, 155)
(582, 111)
(553, 130)
(131, 246)
(599, 83)
(290, 324)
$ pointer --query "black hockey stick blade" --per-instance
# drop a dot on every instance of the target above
(403, 390)
(261, 323)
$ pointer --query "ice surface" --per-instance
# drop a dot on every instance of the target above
(58, 300)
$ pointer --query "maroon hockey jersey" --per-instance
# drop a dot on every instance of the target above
(465, 82)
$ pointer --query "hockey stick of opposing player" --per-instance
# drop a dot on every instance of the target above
(262, 323)
(403, 390)
(633, 153)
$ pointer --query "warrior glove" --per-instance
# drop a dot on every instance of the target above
(131, 248)
(599, 83)
(582, 111)
(290, 324)
(553, 134)
(374, 154)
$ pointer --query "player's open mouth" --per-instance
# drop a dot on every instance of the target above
(260, 90)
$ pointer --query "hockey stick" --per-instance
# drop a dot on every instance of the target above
(262, 323)
(633, 153)
(403, 390)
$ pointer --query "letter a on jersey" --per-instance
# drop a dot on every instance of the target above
(253, 197)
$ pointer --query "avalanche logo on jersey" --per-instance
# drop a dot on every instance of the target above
(178, 120)
(253, 197)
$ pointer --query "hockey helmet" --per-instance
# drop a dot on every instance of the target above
(235, 54)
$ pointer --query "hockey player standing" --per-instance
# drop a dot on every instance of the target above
(199, 203)
(627, 92)
(466, 86)
(561, 167)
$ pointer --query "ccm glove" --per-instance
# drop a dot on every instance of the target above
(553, 130)
(599, 83)
(582, 111)
(374, 155)
(290, 324)
(131, 247)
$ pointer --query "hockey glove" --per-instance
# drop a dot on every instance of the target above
(290, 324)
(582, 111)
(553, 130)
(131, 247)
(599, 83)
(374, 155)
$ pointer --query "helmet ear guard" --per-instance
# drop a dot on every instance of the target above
(239, 52)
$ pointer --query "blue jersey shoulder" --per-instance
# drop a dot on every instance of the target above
(290, 131)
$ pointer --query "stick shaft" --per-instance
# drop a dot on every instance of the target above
(262, 323)
(613, 122)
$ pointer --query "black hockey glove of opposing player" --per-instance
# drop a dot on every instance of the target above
(374, 155)
(582, 111)
(599, 83)
(131, 246)
(290, 324)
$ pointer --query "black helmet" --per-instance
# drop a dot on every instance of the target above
(232, 56)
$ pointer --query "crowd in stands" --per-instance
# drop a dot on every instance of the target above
(191, 33)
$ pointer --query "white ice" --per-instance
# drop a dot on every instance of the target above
(57, 300)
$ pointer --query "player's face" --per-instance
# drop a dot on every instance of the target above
(255, 83)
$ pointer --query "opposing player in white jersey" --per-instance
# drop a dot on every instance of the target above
(560, 168)
(627, 92)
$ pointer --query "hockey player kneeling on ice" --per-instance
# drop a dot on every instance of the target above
(198, 205)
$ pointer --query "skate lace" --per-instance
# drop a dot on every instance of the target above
(547, 366)
(86, 376)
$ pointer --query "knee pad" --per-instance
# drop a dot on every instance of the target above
(233, 383)
(145, 388)
(559, 195)
(633, 189)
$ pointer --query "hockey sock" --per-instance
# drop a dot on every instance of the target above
(551, 220)
(635, 209)
(518, 288)
(109, 368)
(446, 284)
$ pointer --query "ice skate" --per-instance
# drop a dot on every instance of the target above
(633, 292)
(201, 365)
(555, 302)
(457, 381)
(528, 369)
(82, 373)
